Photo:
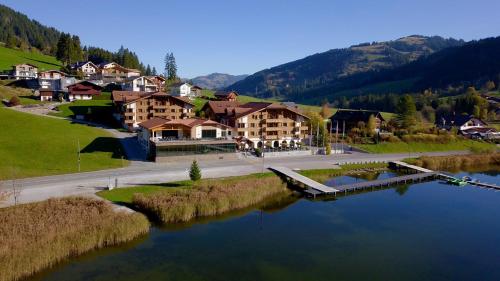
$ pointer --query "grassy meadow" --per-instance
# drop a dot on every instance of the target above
(457, 162)
(37, 236)
(38, 146)
(9, 57)
(25, 95)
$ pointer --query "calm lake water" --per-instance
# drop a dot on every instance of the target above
(425, 231)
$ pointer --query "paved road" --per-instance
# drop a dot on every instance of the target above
(86, 184)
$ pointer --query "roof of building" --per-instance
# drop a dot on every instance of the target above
(15, 65)
(85, 82)
(239, 110)
(224, 93)
(196, 87)
(459, 120)
(219, 107)
(132, 96)
(479, 130)
(188, 122)
(80, 64)
(57, 71)
(356, 115)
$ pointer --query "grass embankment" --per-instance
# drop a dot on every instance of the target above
(187, 200)
(9, 57)
(38, 235)
(457, 162)
(406, 147)
(37, 146)
(24, 95)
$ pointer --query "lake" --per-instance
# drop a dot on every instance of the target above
(424, 231)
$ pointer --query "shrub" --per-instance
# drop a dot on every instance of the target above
(457, 162)
(258, 152)
(14, 101)
(328, 149)
(194, 172)
(209, 197)
(38, 235)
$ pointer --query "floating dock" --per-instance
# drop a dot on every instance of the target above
(314, 188)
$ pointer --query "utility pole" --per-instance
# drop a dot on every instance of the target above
(343, 131)
(78, 155)
(337, 134)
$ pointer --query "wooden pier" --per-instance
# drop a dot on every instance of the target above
(313, 186)
(387, 182)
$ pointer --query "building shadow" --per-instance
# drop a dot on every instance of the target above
(105, 144)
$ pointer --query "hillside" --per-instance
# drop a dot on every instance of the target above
(9, 57)
(58, 140)
(216, 81)
(19, 29)
(290, 80)
(470, 64)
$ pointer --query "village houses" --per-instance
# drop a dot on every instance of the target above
(135, 107)
(87, 69)
(261, 124)
(24, 71)
(140, 84)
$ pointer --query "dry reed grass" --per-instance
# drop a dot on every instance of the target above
(209, 197)
(38, 235)
(457, 162)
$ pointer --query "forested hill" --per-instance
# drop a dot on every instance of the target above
(471, 64)
(216, 81)
(18, 31)
(293, 78)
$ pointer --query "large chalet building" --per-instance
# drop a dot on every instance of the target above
(134, 107)
(261, 124)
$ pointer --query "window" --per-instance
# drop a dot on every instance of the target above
(172, 110)
(252, 133)
(241, 134)
(241, 125)
(208, 133)
(252, 125)
(223, 133)
(285, 132)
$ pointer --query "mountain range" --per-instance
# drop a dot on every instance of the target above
(341, 72)
(217, 81)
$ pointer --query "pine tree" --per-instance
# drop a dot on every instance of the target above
(195, 172)
(407, 112)
(148, 70)
(371, 126)
(153, 72)
(172, 75)
(62, 47)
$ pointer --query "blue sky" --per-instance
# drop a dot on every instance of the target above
(242, 37)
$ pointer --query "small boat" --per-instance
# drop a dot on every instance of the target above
(458, 182)
(466, 178)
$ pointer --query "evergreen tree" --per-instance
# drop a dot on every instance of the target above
(194, 171)
(148, 70)
(62, 52)
(407, 112)
(153, 72)
(11, 41)
(170, 67)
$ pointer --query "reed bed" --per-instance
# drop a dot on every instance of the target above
(457, 162)
(209, 197)
(36, 236)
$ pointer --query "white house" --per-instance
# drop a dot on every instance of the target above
(88, 69)
(140, 84)
(24, 71)
(182, 89)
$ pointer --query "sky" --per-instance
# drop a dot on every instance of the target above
(245, 36)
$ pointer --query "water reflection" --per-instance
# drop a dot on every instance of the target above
(433, 232)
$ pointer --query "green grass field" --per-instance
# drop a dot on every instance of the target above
(37, 146)
(99, 110)
(9, 57)
(403, 147)
(25, 95)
